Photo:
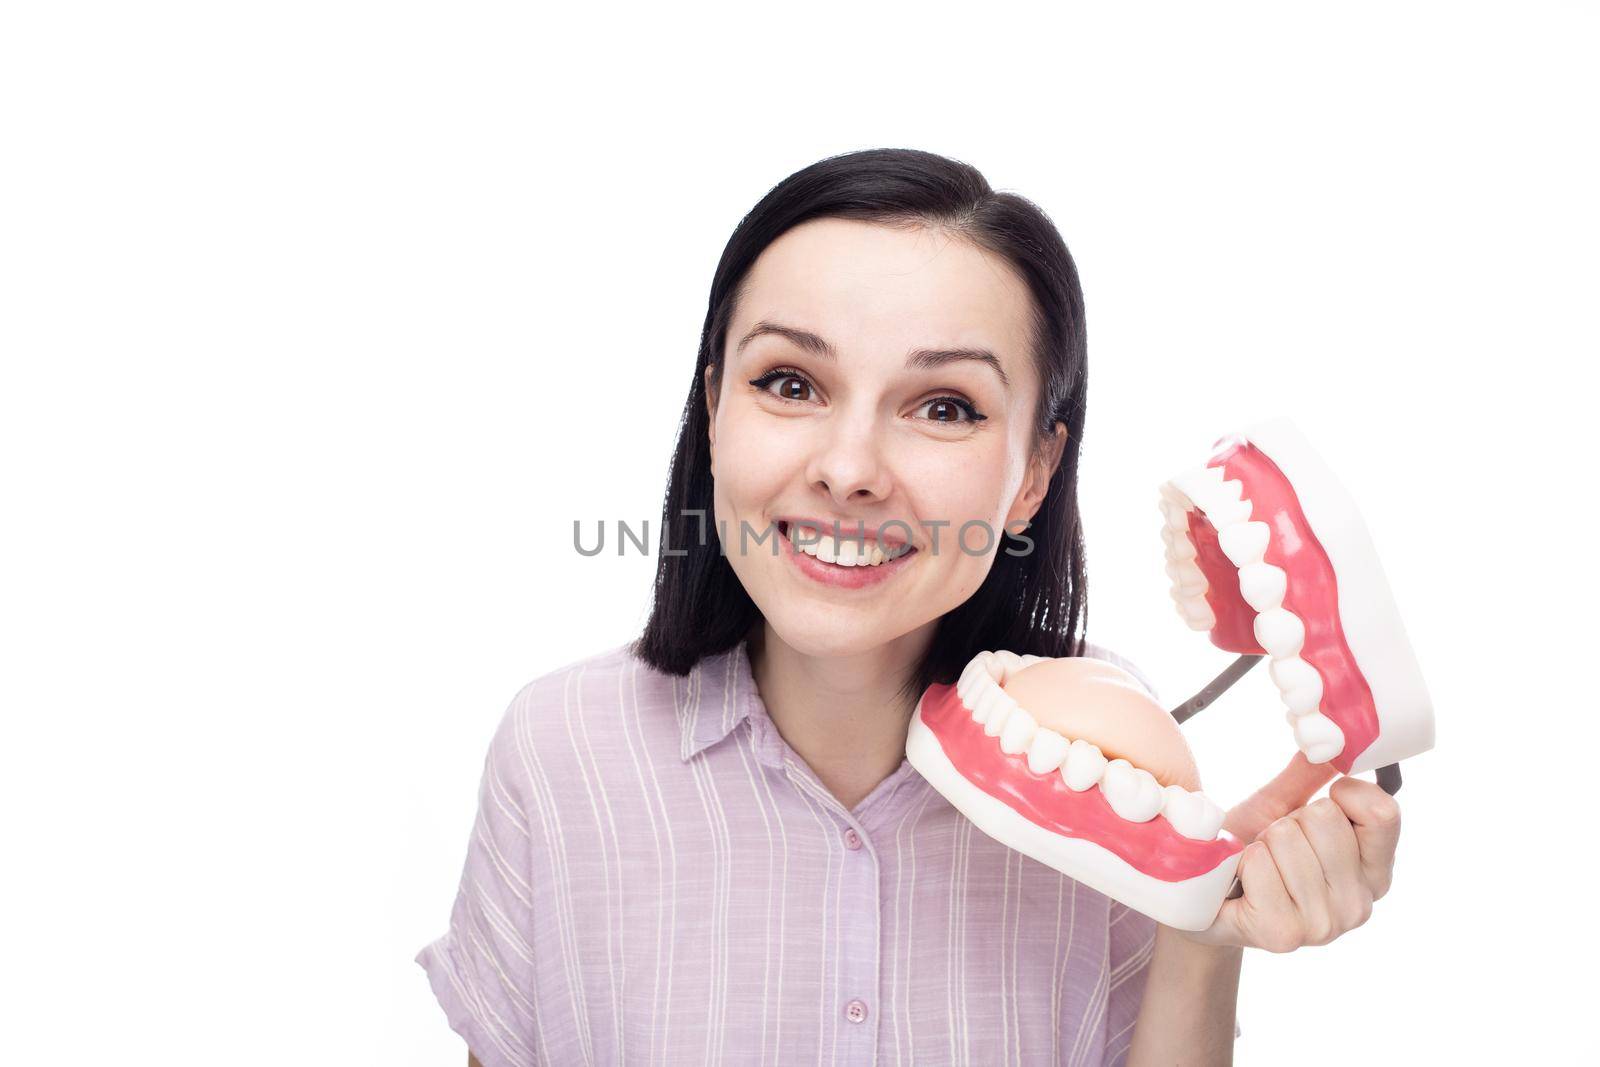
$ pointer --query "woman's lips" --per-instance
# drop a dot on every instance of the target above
(835, 575)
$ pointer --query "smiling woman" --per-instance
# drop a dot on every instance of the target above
(906, 400)
(708, 844)
(890, 309)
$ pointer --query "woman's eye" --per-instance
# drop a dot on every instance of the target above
(950, 409)
(791, 386)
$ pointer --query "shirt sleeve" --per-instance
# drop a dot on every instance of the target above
(482, 971)
(1133, 938)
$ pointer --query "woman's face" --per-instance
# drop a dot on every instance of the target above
(874, 432)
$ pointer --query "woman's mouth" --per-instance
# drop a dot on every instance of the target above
(845, 562)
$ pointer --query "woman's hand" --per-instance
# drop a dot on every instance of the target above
(1310, 872)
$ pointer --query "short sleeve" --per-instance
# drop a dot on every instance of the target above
(1132, 940)
(482, 970)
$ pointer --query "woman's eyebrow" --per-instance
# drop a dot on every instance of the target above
(920, 358)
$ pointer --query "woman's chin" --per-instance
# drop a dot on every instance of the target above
(842, 634)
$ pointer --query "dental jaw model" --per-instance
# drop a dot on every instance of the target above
(1006, 746)
(1267, 552)
(1072, 763)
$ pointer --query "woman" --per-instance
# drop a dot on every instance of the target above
(707, 845)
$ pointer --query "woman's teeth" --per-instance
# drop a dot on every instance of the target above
(844, 552)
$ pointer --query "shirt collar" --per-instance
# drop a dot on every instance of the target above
(720, 692)
(718, 695)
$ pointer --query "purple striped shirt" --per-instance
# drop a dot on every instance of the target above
(655, 876)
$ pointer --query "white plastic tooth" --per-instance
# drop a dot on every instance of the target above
(1199, 482)
(1176, 513)
(1182, 547)
(1132, 792)
(1298, 682)
(1084, 765)
(1244, 542)
(1223, 513)
(1010, 663)
(1303, 701)
(1197, 613)
(1191, 814)
(1018, 732)
(991, 663)
(1280, 632)
(1001, 705)
(1046, 751)
(1319, 737)
(1170, 492)
(1292, 672)
(1262, 585)
(1191, 580)
(983, 702)
(969, 678)
(972, 677)
(1303, 693)
(1219, 498)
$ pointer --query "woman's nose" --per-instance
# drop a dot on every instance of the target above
(847, 462)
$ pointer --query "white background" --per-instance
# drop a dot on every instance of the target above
(321, 322)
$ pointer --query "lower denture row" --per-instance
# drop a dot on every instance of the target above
(1132, 792)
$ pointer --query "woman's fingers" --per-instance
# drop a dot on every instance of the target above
(1333, 839)
(1257, 918)
(1309, 871)
(1293, 786)
(1303, 878)
(1375, 818)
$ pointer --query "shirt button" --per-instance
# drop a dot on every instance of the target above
(855, 1011)
(852, 840)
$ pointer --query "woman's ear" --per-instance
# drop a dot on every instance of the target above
(1041, 468)
(711, 412)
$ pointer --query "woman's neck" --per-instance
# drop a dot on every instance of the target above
(843, 715)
